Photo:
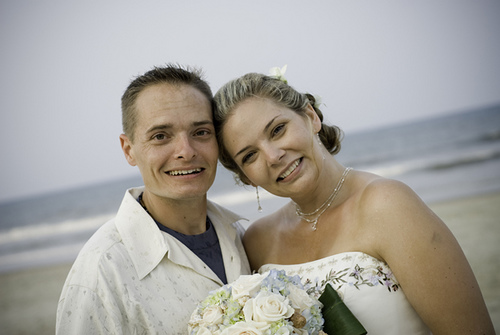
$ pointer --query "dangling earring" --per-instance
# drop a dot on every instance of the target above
(258, 199)
(320, 144)
(319, 140)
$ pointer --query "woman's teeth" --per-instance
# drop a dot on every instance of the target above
(290, 169)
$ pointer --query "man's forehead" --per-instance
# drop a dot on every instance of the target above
(173, 120)
(165, 94)
(162, 99)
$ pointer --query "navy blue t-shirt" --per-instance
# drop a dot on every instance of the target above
(205, 245)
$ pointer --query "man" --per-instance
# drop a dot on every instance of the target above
(144, 271)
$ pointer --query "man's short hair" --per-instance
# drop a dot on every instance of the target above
(170, 74)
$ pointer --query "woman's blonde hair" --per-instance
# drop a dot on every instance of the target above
(258, 85)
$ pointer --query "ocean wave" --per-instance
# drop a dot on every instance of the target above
(491, 136)
(435, 161)
(41, 235)
(39, 258)
(46, 243)
(43, 231)
(239, 197)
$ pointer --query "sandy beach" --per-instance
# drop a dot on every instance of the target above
(28, 299)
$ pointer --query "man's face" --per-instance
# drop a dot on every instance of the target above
(174, 147)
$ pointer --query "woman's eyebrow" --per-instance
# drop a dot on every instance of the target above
(266, 128)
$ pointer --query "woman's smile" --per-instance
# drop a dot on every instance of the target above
(289, 170)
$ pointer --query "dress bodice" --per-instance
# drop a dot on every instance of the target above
(368, 288)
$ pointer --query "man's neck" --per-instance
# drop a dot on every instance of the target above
(184, 216)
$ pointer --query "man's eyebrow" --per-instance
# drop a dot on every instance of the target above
(266, 128)
(170, 126)
(159, 127)
(202, 123)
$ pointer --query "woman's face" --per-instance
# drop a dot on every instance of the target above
(275, 147)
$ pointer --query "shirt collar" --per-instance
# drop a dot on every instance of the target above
(140, 235)
(148, 245)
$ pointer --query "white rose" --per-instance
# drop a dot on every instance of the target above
(212, 315)
(246, 328)
(299, 298)
(285, 331)
(203, 331)
(246, 285)
(267, 307)
(194, 321)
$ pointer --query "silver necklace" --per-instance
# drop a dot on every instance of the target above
(321, 209)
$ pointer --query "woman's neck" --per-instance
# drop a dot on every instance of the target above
(325, 190)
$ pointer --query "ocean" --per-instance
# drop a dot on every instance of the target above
(442, 158)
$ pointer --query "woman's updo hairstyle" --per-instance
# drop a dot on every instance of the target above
(258, 85)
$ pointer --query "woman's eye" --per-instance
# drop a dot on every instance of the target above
(278, 129)
(247, 157)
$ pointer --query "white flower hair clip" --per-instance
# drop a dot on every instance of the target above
(317, 101)
(278, 73)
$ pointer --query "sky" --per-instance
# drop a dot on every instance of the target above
(65, 64)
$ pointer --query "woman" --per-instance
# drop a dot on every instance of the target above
(395, 263)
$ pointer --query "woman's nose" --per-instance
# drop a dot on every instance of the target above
(273, 154)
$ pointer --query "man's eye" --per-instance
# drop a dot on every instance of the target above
(202, 132)
(159, 137)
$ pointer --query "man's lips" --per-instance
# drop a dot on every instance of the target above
(290, 169)
(184, 172)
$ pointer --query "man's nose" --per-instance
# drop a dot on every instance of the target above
(184, 148)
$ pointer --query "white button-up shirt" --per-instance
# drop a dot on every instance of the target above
(132, 278)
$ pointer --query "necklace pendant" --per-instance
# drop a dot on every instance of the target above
(321, 209)
(315, 222)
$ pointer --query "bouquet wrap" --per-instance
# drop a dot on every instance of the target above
(339, 320)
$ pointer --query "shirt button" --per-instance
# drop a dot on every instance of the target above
(232, 258)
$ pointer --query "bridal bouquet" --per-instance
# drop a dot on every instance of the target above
(270, 303)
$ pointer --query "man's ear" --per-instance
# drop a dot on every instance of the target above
(127, 149)
(313, 116)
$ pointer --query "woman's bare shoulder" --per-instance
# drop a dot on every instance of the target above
(378, 195)
(423, 254)
(260, 237)
(384, 208)
(259, 229)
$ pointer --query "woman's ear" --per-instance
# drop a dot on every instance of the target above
(313, 116)
(245, 180)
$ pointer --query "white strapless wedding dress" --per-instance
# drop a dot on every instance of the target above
(368, 288)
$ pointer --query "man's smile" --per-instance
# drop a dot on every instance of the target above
(184, 172)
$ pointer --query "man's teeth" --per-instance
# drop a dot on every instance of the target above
(183, 172)
(290, 169)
